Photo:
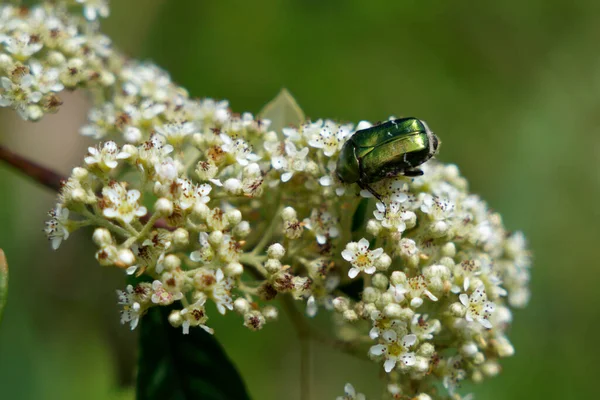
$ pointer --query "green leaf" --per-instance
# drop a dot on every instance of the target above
(175, 366)
(283, 111)
(3, 282)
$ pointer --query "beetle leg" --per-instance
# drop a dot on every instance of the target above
(367, 187)
(412, 172)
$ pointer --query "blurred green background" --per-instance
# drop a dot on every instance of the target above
(512, 88)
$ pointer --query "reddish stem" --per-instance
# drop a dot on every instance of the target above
(40, 174)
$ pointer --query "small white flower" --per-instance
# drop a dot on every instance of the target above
(93, 9)
(293, 161)
(105, 157)
(123, 204)
(322, 224)
(330, 138)
(162, 296)
(351, 394)
(423, 328)
(132, 307)
(22, 45)
(478, 308)
(239, 149)
(191, 194)
(395, 350)
(413, 289)
(195, 315)
(361, 258)
(217, 287)
(395, 218)
(56, 228)
(176, 132)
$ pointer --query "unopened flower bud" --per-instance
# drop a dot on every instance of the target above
(171, 262)
(288, 214)
(393, 310)
(181, 237)
(215, 238)
(234, 216)
(276, 251)
(163, 207)
(350, 315)
(241, 305)
(383, 262)
(380, 281)
(233, 269)
(341, 304)
(125, 258)
(273, 266)
(102, 237)
(270, 313)
(370, 295)
(175, 319)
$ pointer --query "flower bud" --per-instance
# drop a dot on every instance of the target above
(270, 313)
(171, 262)
(350, 315)
(102, 237)
(175, 319)
(163, 207)
(373, 227)
(370, 295)
(276, 251)
(233, 269)
(215, 238)
(125, 258)
(200, 210)
(181, 237)
(273, 266)
(393, 310)
(383, 262)
(341, 304)
(380, 281)
(242, 229)
(288, 214)
(241, 305)
(234, 216)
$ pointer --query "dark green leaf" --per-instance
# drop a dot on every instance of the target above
(3, 282)
(175, 366)
(360, 215)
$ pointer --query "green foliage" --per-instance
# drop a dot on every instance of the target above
(183, 367)
(283, 111)
(3, 282)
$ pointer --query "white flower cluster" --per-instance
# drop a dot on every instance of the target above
(190, 196)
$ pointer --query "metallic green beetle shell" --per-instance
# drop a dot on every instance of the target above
(386, 150)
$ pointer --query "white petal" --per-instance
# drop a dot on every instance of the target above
(363, 243)
(370, 270)
(485, 323)
(416, 302)
(409, 340)
(378, 349)
(389, 365)
(353, 272)
(390, 336)
(464, 299)
(377, 252)
(348, 255)
(286, 176)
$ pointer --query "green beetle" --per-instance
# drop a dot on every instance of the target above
(386, 150)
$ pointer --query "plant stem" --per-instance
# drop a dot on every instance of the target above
(40, 174)
(303, 332)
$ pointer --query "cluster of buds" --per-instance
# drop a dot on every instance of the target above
(205, 205)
